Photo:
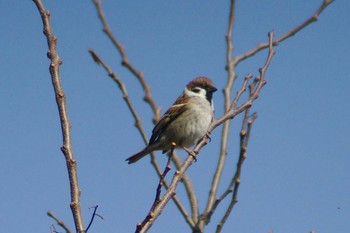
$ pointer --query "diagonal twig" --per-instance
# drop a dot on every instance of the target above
(62, 108)
(156, 110)
(126, 98)
(59, 221)
(236, 180)
(122, 87)
(189, 160)
(94, 214)
(125, 62)
(231, 65)
(150, 215)
(226, 125)
(238, 59)
(138, 124)
(192, 197)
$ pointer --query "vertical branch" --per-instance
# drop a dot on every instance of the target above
(171, 191)
(231, 64)
(236, 180)
(62, 108)
(226, 125)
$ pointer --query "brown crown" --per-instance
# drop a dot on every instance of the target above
(201, 82)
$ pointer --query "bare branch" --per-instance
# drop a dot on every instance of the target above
(188, 162)
(128, 102)
(156, 110)
(171, 191)
(138, 125)
(150, 215)
(208, 212)
(52, 228)
(125, 62)
(229, 49)
(122, 87)
(261, 46)
(59, 221)
(256, 85)
(231, 111)
(234, 111)
(62, 108)
(92, 217)
(189, 190)
(226, 125)
(241, 91)
(236, 180)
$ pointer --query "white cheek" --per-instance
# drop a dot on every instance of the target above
(201, 93)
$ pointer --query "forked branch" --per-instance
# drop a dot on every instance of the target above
(138, 125)
(236, 180)
(232, 63)
(59, 221)
(156, 112)
(157, 199)
(276, 42)
(229, 115)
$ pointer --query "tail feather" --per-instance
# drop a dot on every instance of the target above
(139, 155)
(136, 157)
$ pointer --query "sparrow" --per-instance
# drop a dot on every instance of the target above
(185, 122)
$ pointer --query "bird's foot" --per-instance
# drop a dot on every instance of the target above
(208, 135)
(191, 153)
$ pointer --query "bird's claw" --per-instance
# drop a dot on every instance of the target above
(194, 155)
(191, 153)
(208, 136)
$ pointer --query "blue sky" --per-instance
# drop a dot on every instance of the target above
(296, 176)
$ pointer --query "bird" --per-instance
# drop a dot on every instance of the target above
(185, 122)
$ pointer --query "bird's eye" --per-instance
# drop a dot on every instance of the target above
(195, 90)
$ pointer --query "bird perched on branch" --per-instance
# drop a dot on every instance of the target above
(185, 122)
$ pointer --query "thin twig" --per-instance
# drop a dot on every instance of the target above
(150, 215)
(231, 65)
(65, 124)
(149, 99)
(125, 62)
(226, 125)
(238, 59)
(92, 218)
(59, 221)
(189, 190)
(52, 228)
(138, 125)
(205, 217)
(171, 191)
(236, 180)
(122, 87)
(189, 160)
(234, 111)
(128, 102)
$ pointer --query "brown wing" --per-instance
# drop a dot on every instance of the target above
(170, 115)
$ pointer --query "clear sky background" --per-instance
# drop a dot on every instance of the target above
(296, 177)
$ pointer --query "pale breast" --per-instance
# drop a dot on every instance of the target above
(192, 125)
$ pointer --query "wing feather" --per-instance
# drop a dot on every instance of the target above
(179, 107)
